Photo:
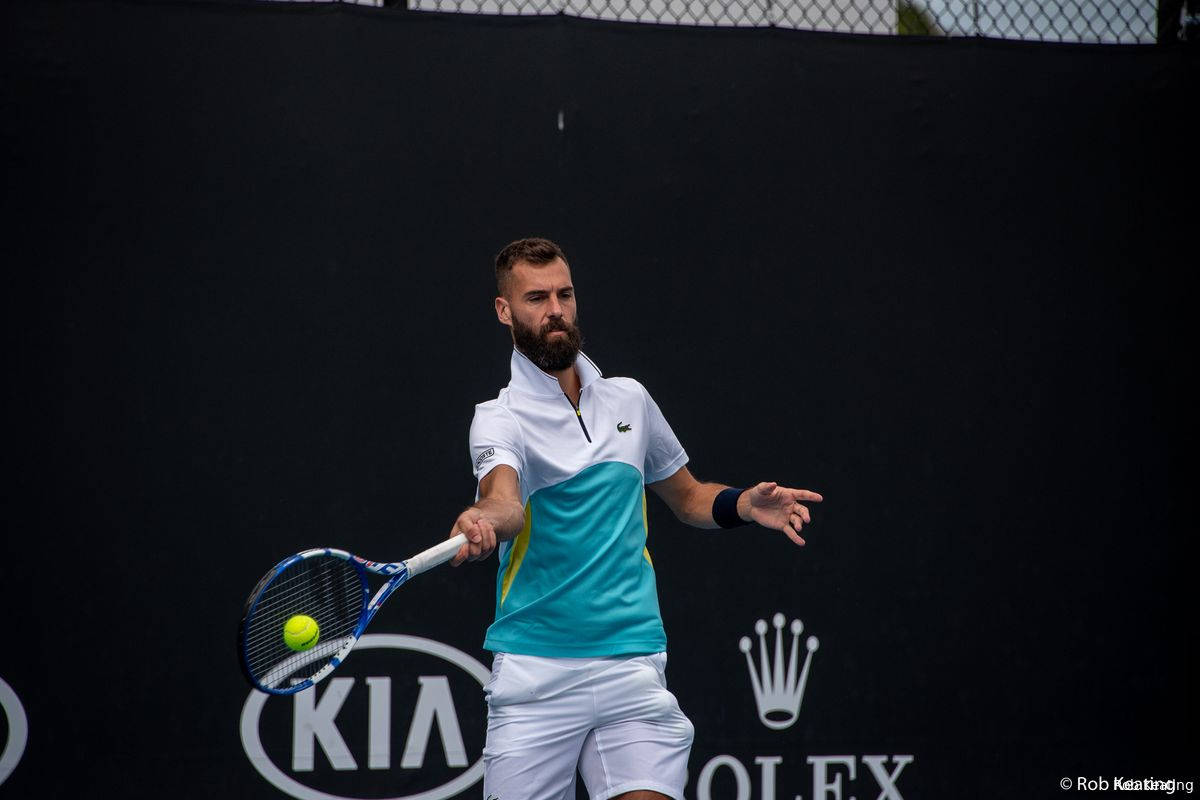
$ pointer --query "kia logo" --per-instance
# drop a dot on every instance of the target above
(434, 724)
(18, 730)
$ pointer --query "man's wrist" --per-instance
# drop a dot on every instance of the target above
(507, 518)
(727, 508)
(743, 506)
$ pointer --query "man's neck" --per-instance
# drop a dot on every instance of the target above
(568, 379)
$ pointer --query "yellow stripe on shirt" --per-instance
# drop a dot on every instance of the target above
(520, 545)
(646, 528)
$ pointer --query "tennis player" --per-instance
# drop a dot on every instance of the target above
(562, 457)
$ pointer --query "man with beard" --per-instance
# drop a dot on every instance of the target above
(562, 457)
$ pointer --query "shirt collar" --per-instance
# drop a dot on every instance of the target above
(527, 377)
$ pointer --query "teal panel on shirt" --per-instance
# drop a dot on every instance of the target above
(583, 587)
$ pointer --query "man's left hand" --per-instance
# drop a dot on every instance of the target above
(778, 508)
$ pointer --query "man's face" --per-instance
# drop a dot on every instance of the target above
(539, 306)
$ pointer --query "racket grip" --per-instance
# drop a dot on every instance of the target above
(435, 556)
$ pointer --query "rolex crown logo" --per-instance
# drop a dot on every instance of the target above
(778, 694)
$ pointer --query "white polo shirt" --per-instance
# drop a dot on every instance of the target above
(578, 580)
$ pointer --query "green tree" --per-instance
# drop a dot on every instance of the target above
(913, 20)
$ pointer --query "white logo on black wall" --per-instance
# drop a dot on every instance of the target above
(778, 693)
(779, 669)
(18, 730)
(315, 728)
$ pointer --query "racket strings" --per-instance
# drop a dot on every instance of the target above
(287, 592)
(326, 588)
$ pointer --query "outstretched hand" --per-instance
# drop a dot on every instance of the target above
(778, 508)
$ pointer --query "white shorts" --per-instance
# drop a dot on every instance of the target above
(611, 718)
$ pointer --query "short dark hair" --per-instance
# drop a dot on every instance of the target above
(533, 249)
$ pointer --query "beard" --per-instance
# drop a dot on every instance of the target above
(549, 353)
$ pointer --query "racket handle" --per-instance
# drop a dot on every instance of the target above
(435, 556)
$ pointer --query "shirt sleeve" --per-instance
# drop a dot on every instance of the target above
(496, 439)
(664, 454)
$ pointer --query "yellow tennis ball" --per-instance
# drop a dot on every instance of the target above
(301, 632)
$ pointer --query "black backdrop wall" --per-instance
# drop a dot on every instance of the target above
(248, 259)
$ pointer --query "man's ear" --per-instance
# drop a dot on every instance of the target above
(503, 311)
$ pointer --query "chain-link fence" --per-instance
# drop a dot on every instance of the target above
(1088, 21)
(1133, 21)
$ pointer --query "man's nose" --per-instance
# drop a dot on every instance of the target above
(555, 309)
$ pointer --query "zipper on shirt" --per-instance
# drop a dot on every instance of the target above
(578, 416)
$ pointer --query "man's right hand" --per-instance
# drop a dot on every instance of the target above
(481, 536)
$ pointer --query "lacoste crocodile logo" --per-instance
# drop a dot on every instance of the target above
(623, 428)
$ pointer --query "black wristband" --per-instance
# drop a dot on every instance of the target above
(724, 509)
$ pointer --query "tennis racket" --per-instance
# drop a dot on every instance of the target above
(331, 587)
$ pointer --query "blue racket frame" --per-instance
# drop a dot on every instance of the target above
(397, 572)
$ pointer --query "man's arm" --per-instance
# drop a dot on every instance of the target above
(770, 505)
(496, 516)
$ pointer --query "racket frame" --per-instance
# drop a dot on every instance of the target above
(397, 573)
